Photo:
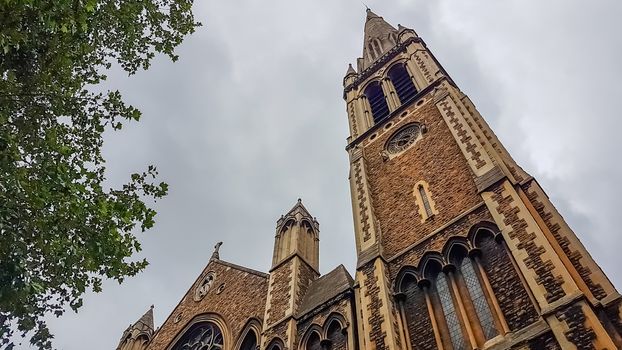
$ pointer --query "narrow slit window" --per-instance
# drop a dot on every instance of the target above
(425, 200)
(377, 47)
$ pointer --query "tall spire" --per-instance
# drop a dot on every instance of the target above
(379, 36)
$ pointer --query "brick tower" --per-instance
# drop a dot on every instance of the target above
(295, 264)
(458, 247)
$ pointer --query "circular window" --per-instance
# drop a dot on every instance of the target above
(403, 138)
(205, 286)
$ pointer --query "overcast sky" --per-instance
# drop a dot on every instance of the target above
(251, 118)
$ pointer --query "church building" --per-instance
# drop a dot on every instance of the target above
(457, 246)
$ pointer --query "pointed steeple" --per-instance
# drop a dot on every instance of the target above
(350, 76)
(145, 323)
(379, 36)
(297, 233)
(139, 334)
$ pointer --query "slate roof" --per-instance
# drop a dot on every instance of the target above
(325, 288)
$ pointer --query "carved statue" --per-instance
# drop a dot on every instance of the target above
(215, 254)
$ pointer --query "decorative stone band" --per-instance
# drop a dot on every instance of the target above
(477, 158)
(543, 270)
(364, 220)
(378, 313)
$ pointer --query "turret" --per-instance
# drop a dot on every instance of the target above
(297, 233)
(138, 335)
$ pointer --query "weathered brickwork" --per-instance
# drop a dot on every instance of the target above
(419, 324)
(575, 256)
(436, 242)
(318, 320)
(485, 134)
(578, 333)
(306, 275)
(437, 159)
(509, 290)
(614, 314)
(463, 135)
(376, 334)
(280, 292)
(278, 331)
(543, 268)
(361, 197)
(239, 284)
(543, 342)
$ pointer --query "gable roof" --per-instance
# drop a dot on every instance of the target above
(325, 288)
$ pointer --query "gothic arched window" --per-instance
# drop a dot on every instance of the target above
(337, 338)
(377, 101)
(469, 280)
(250, 341)
(276, 344)
(445, 307)
(402, 82)
(201, 336)
(414, 307)
(313, 343)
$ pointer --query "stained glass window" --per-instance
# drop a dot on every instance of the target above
(203, 336)
(479, 299)
(449, 311)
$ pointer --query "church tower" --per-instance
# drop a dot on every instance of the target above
(295, 264)
(458, 247)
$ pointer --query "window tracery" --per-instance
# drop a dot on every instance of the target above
(462, 310)
(203, 336)
(403, 138)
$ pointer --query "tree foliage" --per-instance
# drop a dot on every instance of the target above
(61, 231)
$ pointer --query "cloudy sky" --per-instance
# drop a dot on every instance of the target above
(251, 118)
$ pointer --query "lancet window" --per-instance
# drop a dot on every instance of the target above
(377, 101)
(402, 82)
(456, 291)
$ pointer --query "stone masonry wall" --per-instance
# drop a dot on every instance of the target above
(306, 275)
(376, 334)
(280, 288)
(319, 319)
(419, 324)
(574, 255)
(242, 298)
(508, 288)
(545, 341)
(435, 158)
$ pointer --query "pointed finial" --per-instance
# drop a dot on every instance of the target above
(152, 306)
(216, 254)
(299, 200)
(366, 7)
